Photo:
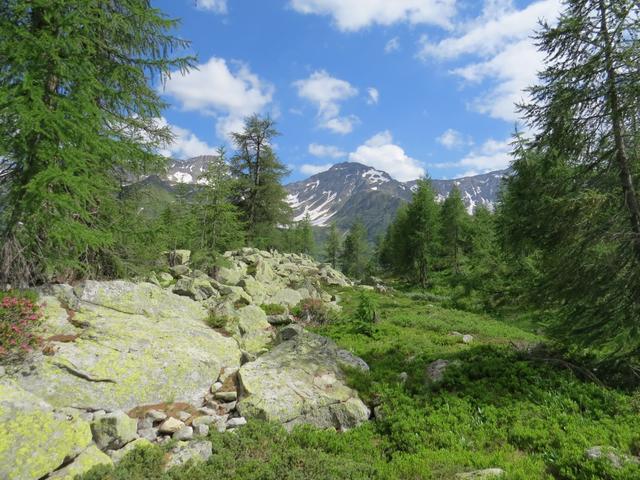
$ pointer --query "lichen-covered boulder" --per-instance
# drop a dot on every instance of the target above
(301, 380)
(254, 333)
(139, 344)
(114, 430)
(34, 439)
(287, 296)
(91, 457)
(198, 288)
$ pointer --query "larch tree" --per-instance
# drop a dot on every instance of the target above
(333, 246)
(423, 232)
(259, 193)
(77, 112)
(453, 223)
(574, 192)
(354, 256)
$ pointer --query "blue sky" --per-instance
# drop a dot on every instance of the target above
(407, 86)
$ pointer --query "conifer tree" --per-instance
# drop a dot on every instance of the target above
(354, 257)
(333, 246)
(76, 110)
(454, 220)
(218, 220)
(259, 193)
(423, 227)
(573, 198)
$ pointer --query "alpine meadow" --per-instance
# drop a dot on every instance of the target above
(309, 239)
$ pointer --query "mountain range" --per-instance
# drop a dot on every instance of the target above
(350, 190)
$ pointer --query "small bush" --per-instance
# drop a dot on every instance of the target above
(273, 309)
(312, 310)
(365, 315)
(217, 321)
(19, 317)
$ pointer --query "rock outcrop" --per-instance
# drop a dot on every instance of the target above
(302, 380)
(132, 363)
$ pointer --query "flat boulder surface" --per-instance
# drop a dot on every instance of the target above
(134, 343)
(34, 439)
(301, 381)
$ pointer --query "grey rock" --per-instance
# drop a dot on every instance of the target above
(156, 415)
(185, 433)
(150, 434)
(198, 451)
(201, 430)
(171, 425)
(114, 430)
(228, 407)
(236, 422)
(486, 473)
(226, 396)
(145, 423)
(183, 416)
(204, 420)
(435, 370)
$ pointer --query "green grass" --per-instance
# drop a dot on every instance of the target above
(531, 415)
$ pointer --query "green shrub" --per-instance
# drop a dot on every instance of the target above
(19, 317)
(273, 309)
(217, 321)
(312, 311)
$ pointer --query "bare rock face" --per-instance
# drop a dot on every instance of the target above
(302, 381)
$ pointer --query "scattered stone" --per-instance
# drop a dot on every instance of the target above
(435, 370)
(487, 473)
(207, 411)
(114, 430)
(617, 460)
(185, 433)
(226, 396)
(178, 257)
(145, 423)
(164, 279)
(183, 416)
(201, 430)
(288, 332)
(404, 376)
(236, 422)
(156, 415)
(179, 271)
(216, 386)
(150, 434)
(171, 425)
(465, 338)
(84, 462)
(204, 420)
(198, 451)
(226, 373)
(227, 407)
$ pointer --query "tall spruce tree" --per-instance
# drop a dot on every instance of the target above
(333, 245)
(453, 223)
(76, 109)
(355, 251)
(573, 196)
(218, 220)
(423, 232)
(260, 194)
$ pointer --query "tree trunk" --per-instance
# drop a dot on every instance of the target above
(621, 157)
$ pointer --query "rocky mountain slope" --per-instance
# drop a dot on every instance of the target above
(349, 190)
(126, 364)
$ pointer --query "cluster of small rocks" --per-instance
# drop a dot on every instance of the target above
(116, 433)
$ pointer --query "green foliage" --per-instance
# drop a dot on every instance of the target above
(273, 309)
(355, 250)
(572, 202)
(312, 311)
(20, 317)
(365, 314)
(258, 171)
(217, 321)
(299, 238)
(74, 115)
(454, 230)
(333, 244)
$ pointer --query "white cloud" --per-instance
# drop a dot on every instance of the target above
(310, 169)
(185, 144)
(352, 15)
(216, 6)
(374, 96)
(500, 40)
(325, 151)
(491, 155)
(326, 93)
(380, 152)
(392, 45)
(214, 89)
(452, 139)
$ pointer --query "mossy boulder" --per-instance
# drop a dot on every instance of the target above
(301, 381)
(253, 332)
(139, 344)
(34, 439)
(91, 457)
